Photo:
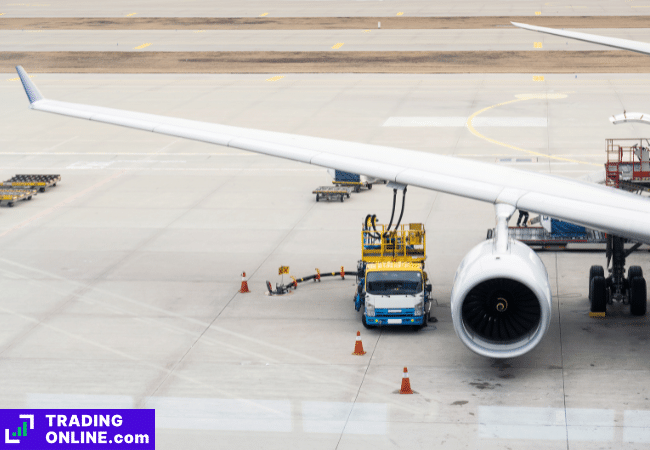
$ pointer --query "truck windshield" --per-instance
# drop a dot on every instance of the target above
(394, 283)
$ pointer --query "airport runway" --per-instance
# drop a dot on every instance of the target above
(301, 40)
(311, 8)
(120, 284)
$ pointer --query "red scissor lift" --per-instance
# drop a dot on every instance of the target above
(628, 164)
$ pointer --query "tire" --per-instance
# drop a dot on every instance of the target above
(633, 272)
(317, 199)
(42, 189)
(598, 289)
(363, 321)
(369, 186)
(342, 198)
(10, 204)
(593, 272)
(638, 296)
(596, 271)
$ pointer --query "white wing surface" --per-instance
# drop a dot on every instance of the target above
(623, 44)
(594, 206)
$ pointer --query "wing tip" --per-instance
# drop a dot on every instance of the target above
(33, 94)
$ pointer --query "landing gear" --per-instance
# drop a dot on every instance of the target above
(617, 287)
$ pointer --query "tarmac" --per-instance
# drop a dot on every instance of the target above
(120, 285)
(302, 40)
(311, 8)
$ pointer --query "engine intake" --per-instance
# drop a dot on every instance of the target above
(501, 310)
(501, 302)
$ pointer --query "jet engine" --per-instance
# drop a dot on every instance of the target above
(501, 301)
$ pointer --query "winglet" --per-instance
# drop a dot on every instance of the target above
(33, 94)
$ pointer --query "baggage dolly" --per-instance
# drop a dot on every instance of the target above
(37, 181)
(332, 192)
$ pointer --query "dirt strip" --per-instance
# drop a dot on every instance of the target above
(316, 23)
(328, 62)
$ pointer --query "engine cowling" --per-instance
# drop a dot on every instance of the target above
(501, 302)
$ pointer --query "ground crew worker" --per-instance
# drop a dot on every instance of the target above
(522, 215)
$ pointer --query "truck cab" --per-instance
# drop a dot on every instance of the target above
(393, 287)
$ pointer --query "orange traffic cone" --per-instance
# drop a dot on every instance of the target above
(406, 383)
(358, 346)
(244, 284)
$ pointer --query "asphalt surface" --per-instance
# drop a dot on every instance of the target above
(369, 40)
(120, 283)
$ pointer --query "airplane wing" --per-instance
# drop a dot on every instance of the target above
(599, 207)
(622, 44)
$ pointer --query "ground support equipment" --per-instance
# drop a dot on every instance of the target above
(538, 237)
(41, 182)
(10, 196)
(628, 164)
(351, 180)
(332, 193)
(392, 287)
(281, 289)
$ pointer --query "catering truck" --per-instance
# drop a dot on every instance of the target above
(393, 288)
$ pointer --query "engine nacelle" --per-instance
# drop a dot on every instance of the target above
(501, 302)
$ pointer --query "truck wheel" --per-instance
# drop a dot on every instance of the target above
(598, 289)
(10, 204)
(634, 271)
(342, 198)
(317, 199)
(363, 318)
(593, 272)
(369, 186)
(638, 296)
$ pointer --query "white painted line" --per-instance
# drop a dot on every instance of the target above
(461, 122)
(79, 401)
(637, 428)
(331, 417)
(546, 424)
(174, 413)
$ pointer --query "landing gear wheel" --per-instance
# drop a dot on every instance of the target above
(634, 271)
(598, 290)
(594, 271)
(638, 296)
